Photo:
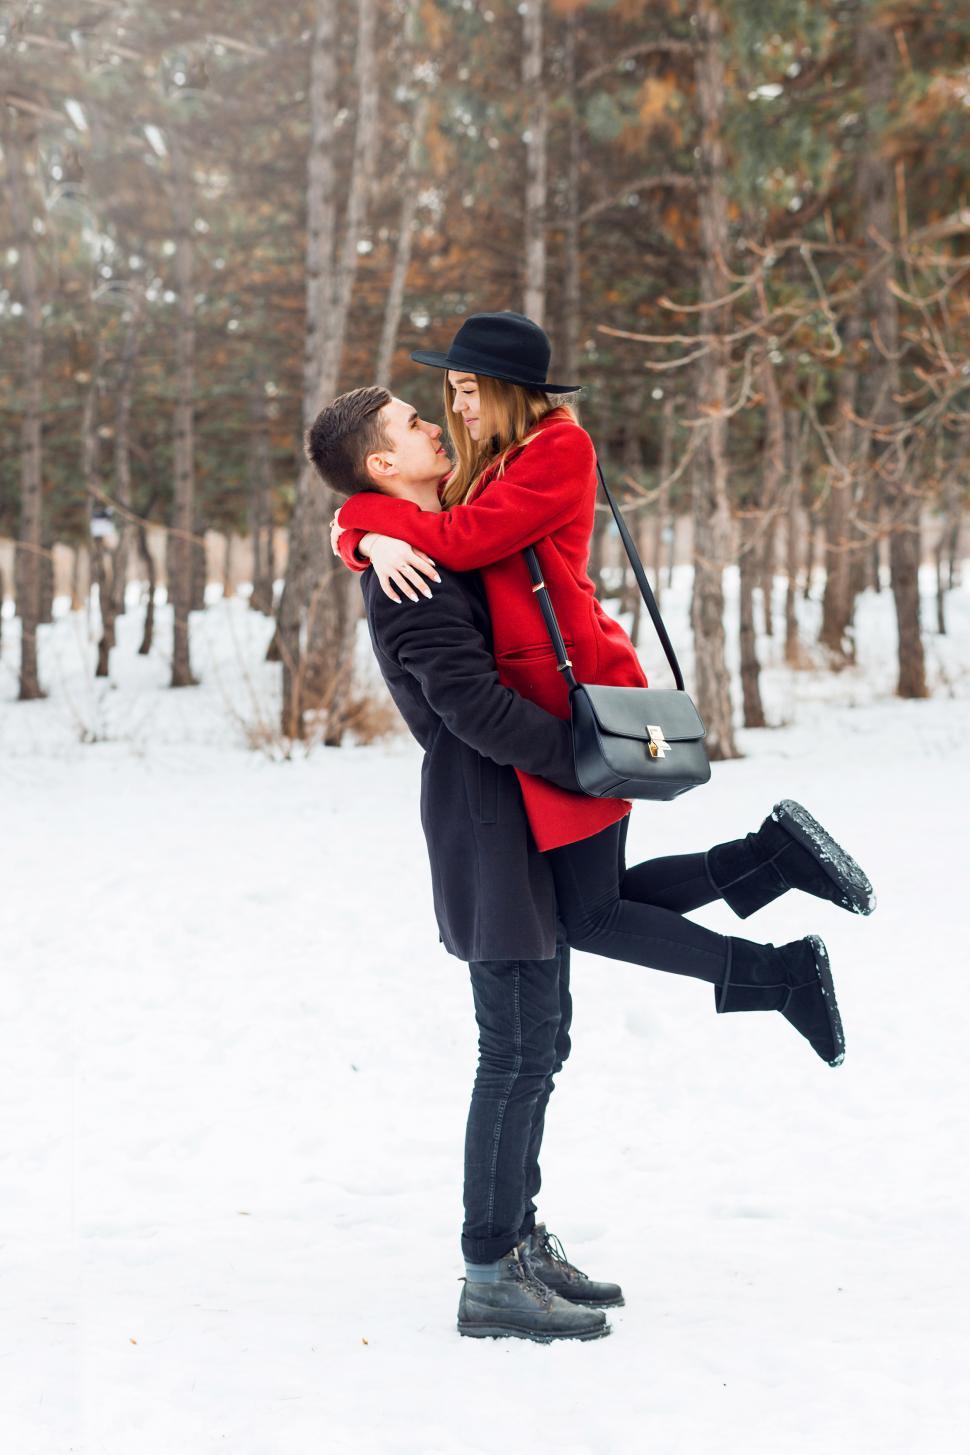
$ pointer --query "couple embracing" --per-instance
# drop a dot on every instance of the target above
(524, 866)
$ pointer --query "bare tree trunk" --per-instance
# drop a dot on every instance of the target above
(878, 58)
(148, 633)
(180, 554)
(321, 603)
(408, 193)
(661, 514)
(838, 600)
(772, 475)
(394, 303)
(793, 431)
(572, 257)
(748, 564)
(954, 563)
(228, 587)
(534, 88)
(948, 544)
(122, 447)
(199, 565)
(597, 555)
(101, 574)
(260, 515)
(710, 507)
(102, 563)
(45, 613)
(766, 569)
(30, 526)
(811, 533)
(631, 600)
(80, 572)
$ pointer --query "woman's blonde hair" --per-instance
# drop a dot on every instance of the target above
(507, 419)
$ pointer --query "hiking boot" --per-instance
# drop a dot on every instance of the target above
(547, 1259)
(795, 979)
(791, 850)
(519, 1306)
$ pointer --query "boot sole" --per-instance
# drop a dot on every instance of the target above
(590, 1303)
(824, 971)
(856, 891)
(499, 1331)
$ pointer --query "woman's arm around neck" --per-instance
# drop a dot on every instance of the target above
(547, 484)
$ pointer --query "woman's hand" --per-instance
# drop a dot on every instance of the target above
(398, 564)
(336, 531)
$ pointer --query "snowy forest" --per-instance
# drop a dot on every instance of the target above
(236, 1060)
(744, 228)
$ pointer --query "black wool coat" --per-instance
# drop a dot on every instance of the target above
(493, 891)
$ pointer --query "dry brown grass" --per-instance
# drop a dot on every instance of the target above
(365, 716)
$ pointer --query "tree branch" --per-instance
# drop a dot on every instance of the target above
(679, 180)
(645, 48)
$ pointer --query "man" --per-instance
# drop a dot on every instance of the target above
(493, 891)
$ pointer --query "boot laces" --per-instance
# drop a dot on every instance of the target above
(525, 1273)
(555, 1251)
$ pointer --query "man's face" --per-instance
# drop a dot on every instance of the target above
(415, 454)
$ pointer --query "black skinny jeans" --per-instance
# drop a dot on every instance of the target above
(524, 1009)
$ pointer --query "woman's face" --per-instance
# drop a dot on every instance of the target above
(465, 401)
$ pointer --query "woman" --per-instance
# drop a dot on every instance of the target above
(525, 475)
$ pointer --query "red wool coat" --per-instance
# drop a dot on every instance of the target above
(546, 498)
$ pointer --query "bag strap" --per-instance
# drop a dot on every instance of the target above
(549, 615)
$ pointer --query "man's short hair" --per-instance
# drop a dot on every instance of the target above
(344, 434)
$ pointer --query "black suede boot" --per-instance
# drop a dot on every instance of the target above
(795, 979)
(791, 850)
(520, 1306)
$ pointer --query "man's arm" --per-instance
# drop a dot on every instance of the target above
(438, 642)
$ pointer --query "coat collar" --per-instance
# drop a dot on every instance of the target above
(555, 416)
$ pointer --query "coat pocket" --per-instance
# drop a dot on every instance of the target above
(541, 651)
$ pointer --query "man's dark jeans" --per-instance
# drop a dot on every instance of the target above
(524, 1011)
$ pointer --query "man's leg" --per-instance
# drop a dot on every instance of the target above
(518, 1010)
(533, 1177)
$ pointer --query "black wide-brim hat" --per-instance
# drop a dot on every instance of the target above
(505, 346)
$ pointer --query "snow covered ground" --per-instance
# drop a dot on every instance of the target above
(235, 1066)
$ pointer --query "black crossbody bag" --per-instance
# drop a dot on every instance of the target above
(629, 742)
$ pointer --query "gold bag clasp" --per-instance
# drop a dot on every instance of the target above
(658, 747)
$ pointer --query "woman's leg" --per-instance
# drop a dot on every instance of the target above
(679, 882)
(684, 882)
(794, 979)
(791, 850)
(518, 1010)
(600, 917)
